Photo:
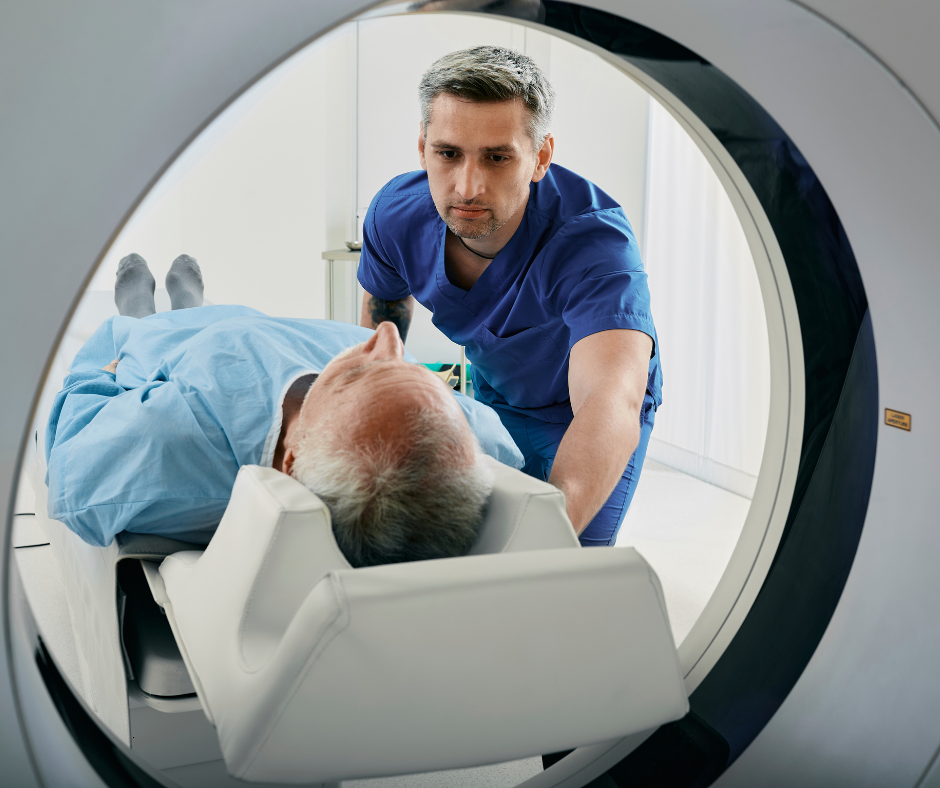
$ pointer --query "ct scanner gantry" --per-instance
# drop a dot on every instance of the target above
(817, 664)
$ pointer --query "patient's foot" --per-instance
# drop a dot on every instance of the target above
(133, 288)
(184, 283)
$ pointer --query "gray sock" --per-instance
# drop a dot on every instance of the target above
(184, 283)
(133, 288)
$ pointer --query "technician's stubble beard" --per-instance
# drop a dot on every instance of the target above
(472, 232)
(477, 232)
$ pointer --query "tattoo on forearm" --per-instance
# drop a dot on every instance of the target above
(391, 311)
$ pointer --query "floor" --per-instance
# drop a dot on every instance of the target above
(686, 529)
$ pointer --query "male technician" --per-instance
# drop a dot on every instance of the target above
(535, 270)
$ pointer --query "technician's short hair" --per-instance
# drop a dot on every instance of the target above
(390, 504)
(489, 74)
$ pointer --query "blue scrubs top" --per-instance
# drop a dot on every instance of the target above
(571, 269)
(198, 393)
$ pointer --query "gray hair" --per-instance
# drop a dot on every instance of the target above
(388, 505)
(489, 74)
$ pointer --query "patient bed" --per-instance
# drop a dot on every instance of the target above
(311, 671)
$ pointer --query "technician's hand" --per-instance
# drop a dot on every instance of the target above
(112, 367)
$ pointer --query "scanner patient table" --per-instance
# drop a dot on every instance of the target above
(312, 671)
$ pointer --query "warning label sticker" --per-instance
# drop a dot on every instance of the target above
(894, 418)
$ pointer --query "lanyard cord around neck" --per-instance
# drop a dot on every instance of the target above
(473, 251)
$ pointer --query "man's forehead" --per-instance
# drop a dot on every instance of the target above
(382, 365)
(500, 121)
(407, 385)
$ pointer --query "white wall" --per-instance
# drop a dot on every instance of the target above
(601, 121)
(262, 192)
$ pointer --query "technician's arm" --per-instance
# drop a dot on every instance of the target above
(377, 310)
(607, 376)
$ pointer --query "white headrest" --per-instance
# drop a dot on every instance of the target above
(281, 535)
(274, 542)
(313, 671)
(523, 513)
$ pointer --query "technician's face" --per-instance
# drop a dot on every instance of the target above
(365, 390)
(480, 160)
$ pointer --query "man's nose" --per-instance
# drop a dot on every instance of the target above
(385, 343)
(470, 180)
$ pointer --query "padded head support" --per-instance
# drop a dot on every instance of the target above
(523, 513)
(273, 544)
(313, 671)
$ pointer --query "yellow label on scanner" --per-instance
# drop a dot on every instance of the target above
(894, 418)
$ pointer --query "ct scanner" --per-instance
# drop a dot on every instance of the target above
(815, 662)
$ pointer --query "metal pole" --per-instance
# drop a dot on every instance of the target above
(463, 370)
(329, 290)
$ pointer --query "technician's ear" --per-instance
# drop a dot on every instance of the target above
(424, 162)
(543, 158)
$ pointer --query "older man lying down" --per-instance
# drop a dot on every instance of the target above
(153, 442)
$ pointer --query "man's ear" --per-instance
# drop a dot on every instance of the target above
(287, 463)
(543, 158)
(424, 163)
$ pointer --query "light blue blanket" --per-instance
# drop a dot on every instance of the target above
(156, 448)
